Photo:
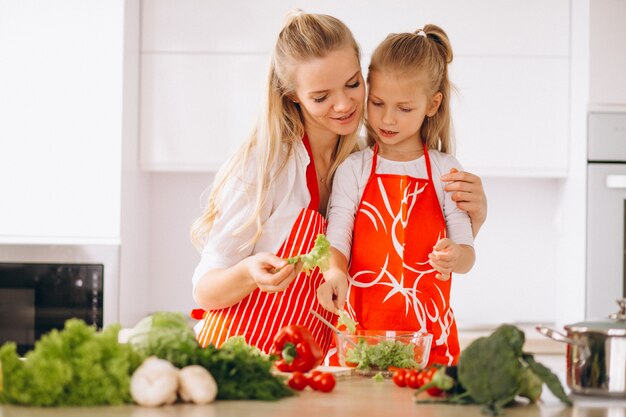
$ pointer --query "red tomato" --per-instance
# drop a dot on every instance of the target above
(324, 382)
(399, 377)
(428, 374)
(411, 378)
(434, 391)
(298, 381)
(421, 378)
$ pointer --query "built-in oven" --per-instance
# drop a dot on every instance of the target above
(38, 297)
(42, 286)
(606, 213)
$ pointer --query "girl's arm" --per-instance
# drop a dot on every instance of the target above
(332, 293)
(469, 195)
(448, 257)
(221, 288)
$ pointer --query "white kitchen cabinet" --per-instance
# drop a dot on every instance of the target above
(61, 110)
(204, 68)
(607, 52)
(196, 109)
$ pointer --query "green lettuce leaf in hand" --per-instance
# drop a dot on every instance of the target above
(319, 256)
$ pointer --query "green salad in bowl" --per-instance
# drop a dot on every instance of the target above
(375, 351)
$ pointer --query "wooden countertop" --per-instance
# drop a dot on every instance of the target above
(353, 396)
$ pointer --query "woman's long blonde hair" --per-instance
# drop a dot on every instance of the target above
(425, 52)
(304, 37)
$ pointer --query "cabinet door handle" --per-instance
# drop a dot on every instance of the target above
(616, 181)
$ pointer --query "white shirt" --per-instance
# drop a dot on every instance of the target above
(287, 196)
(351, 178)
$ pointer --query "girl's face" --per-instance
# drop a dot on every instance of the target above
(396, 108)
(331, 93)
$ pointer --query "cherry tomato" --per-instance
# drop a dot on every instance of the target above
(324, 382)
(399, 377)
(298, 381)
(411, 378)
(420, 378)
(428, 374)
(434, 392)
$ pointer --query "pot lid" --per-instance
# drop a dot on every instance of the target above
(614, 326)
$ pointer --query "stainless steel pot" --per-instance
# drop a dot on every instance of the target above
(596, 354)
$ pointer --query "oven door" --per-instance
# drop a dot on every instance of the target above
(36, 298)
(606, 242)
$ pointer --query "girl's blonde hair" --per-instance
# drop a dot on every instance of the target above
(281, 124)
(427, 53)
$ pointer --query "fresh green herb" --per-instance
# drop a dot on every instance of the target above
(382, 355)
(319, 256)
(242, 372)
(346, 320)
(76, 366)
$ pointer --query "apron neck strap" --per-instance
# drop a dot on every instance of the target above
(427, 159)
(311, 177)
(374, 159)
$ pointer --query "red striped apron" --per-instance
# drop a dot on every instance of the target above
(392, 285)
(260, 315)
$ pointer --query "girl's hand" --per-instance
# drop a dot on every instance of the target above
(469, 195)
(271, 273)
(444, 258)
(332, 293)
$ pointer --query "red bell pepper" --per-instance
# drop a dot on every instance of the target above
(297, 349)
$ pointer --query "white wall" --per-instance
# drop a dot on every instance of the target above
(532, 246)
(175, 202)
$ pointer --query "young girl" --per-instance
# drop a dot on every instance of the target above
(268, 203)
(390, 214)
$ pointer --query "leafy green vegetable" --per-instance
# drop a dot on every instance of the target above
(546, 376)
(490, 371)
(166, 335)
(346, 320)
(319, 256)
(382, 355)
(378, 377)
(240, 370)
(532, 385)
(493, 370)
(74, 366)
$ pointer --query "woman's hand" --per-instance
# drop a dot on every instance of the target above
(332, 293)
(271, 273)
(469, 195)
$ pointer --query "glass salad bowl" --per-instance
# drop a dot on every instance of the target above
(375, 351)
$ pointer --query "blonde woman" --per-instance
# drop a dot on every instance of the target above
(268, 203)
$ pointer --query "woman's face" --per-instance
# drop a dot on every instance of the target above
(331, 93)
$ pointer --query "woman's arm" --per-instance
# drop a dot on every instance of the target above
(221, 288)
(469, 195)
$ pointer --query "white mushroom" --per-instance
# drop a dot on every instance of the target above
(197, 385)
(154, 383)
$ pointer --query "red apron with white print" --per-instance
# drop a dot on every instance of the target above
(260, 315)
(392, 285)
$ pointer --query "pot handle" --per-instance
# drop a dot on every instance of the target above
(554, 335)
(621, 314)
